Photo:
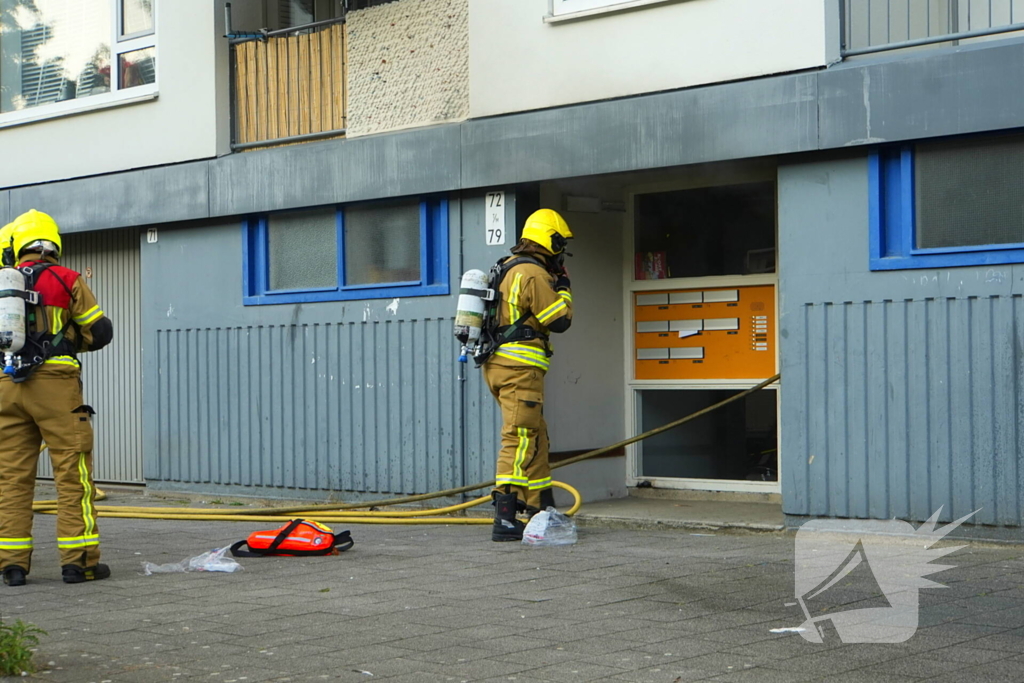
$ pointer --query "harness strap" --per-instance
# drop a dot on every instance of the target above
(46, 348)
(516, 332)
(236, 550)
(283, 535)
(28, 295)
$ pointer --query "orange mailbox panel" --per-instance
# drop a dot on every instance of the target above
(705, 334)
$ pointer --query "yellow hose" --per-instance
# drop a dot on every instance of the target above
(336, 516)
(346, 512)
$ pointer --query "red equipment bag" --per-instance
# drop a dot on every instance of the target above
(297, 537)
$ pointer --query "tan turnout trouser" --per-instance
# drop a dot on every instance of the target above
(47, 407)
(523, 458)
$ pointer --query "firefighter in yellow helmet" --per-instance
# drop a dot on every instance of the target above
(41, 399)
(7, 245)
(535, 301)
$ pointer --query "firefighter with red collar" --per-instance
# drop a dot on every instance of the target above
(41, 399)
(535, 301)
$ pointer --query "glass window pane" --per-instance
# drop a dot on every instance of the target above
(302, 249)
(136, 17)
(969, 193)
(295, 13)
(53, 50)
(137, 67)
(721, 230)
(382, 243)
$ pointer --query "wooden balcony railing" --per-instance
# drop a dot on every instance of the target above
(289, 87)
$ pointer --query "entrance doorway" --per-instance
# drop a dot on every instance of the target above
(701, 310)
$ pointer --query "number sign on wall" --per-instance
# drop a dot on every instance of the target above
(494, 220)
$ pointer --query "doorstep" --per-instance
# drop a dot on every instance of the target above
(660, 508)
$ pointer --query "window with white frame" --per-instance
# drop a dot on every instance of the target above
(58, 50)
(562, 7)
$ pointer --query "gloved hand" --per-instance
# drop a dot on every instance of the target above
(562, 283)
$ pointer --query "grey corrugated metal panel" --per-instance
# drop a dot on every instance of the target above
(911, 406)
(941, 91)
(112, 377)
(482, 425)
(394, 165)
(360, 407)
(5, 207)
(752, 118)
(134, 198)
(900, 390)
(1008, 437)
(795, 418)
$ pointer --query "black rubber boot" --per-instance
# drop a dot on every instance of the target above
(72, 573)
(547, 498)
(506, 526)
(14, 575)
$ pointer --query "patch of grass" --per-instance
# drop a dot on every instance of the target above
(235, 502)
(16, 643)
(217, 502)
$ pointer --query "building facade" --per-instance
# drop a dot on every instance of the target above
(279, 202)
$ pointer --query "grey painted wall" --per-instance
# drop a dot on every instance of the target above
(730, 121)
(346, 396)
(933, 93)
(929, 93)
(584, 403)
(901, 391)
(407, 163)
(5, 207)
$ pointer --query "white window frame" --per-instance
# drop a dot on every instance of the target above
(571, 10)
(119, 45)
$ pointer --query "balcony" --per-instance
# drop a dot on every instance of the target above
(871, 26)
(289, 86)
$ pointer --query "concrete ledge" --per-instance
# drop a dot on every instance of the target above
(646, 513)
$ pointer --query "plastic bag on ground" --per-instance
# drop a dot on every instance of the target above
(550, 527)
(212, 561)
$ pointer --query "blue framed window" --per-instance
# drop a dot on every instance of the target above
(372, 250)
(947, 203)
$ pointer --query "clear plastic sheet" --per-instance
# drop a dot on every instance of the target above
(212, 561)
(550, 527)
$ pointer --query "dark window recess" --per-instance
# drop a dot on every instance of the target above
(969, 193)
(725, 230)
(737, 441)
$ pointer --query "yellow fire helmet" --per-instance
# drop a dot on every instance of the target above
(548, 229)
(34, 227)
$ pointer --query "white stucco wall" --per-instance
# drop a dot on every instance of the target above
(519, 62)
(408, 65)
(180, 125)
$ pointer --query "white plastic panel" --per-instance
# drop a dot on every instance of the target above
(722, 296)
(652, 299)
(722, 324)
(686, 325)
(686, 297)
(652, 326)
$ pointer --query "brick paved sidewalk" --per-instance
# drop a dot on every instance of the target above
(443, 603)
